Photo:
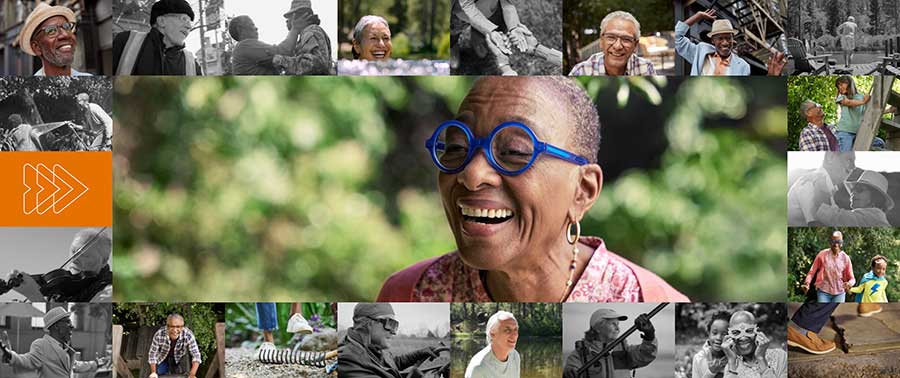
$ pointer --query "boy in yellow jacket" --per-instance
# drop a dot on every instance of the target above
(872, 288)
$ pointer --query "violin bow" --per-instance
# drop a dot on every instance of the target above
(84, 247)
(609, 347)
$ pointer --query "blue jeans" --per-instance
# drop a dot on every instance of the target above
(163, 368)
(266, 316)
(845, 141)
(824, 297)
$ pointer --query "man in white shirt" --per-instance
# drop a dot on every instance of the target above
(499, 359)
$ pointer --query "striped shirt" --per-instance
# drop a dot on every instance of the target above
(159, 347)
(593, 66)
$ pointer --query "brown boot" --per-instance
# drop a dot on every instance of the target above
(809, 342)
(868, 309)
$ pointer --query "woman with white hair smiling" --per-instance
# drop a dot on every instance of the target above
(372, 39)
(499, 358)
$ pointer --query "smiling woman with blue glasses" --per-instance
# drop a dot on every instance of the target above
(517, 173)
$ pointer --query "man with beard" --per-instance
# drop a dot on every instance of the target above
(604, 328)
(813, 189)
(161, 50)
(499, 359)
(49, 355)
(307, 48)
(364, 351)
(49, 33)
(717, 58)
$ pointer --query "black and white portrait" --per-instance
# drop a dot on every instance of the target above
(844, 37)
(731, 340)
(618, 339)
(843, 189)
(394, 339)
(59, 264)
(506, 37)
(55, 339)
(56, 114)
(285, 37)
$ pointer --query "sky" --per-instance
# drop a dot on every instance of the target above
(883, 161)
(412, 317)
(269, 19)
(33, 250)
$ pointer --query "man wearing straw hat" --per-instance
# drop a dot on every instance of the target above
(49, 33)
(307, 48)
(161, 51)
(717, 58)
(49, 355)
(604, 328)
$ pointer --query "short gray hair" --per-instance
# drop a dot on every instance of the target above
(805, 106)
(495, 320)
(366, 21)
(623, 16)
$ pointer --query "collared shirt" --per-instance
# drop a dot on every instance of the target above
(696, 53)
(831, 271)
(815, 138)
(593, 66)
(485, 364)
(159, 347)
(74, 72)
(716, 65)
(606, 279)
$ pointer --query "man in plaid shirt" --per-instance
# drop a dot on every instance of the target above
(620, 34)
(817, 135)
(169, 346)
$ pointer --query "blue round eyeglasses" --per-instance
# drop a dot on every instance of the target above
(511, 148)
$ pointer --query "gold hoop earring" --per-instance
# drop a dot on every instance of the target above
(569, 237)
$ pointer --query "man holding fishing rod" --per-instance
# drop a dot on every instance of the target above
(609, 351)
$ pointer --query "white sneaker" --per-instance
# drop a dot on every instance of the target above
(263, 347)
(298, 324)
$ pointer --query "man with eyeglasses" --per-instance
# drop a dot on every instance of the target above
(817, 135)
(364, 352)
(717, 58)
(161, 51)
(169, 347)
(49, 355)
(620, 34)
(49, 33)
(603, 328)
(832, 271)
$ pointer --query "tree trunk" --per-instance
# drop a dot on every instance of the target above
(868, 128)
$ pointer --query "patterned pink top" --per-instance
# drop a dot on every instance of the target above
(833, 270)
(606, 279)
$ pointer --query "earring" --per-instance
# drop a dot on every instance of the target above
(573, 240)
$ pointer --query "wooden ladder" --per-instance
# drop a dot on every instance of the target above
(882, 95)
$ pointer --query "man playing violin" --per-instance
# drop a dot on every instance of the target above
(49, 356)
(86, 277)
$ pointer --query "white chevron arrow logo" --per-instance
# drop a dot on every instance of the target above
(49, 189)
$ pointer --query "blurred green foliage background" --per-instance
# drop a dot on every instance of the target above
(318, 188)
(861, 244)
(420, 29)
(819, 89)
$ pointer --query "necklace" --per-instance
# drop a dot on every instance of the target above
(571, 279)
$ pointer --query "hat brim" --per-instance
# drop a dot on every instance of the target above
(888, 201)
(731, 31)
(293, 10)
(36, 19)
